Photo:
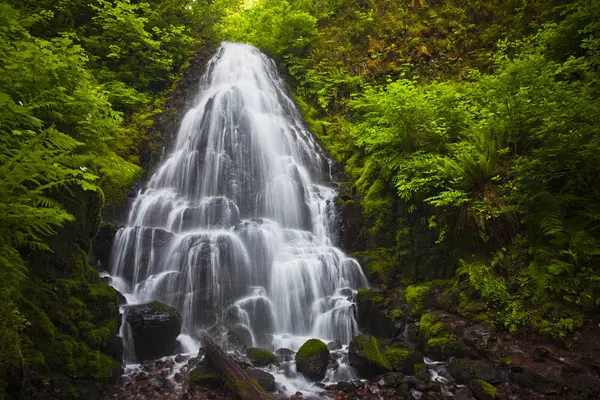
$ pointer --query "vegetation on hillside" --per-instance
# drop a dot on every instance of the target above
(80, 82)
(469, 131)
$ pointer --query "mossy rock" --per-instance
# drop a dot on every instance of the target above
(393, 379)
(312, 359)
(365, 355)
(260, 357)
(482, 390)
(403, 360)
(372, 314)
(438, 343)
(202, 377)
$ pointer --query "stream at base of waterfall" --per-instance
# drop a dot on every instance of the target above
(235, 226)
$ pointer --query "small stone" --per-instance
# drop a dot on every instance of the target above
(335, 345)
(178, 377)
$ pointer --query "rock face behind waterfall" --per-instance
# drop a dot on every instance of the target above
(155, 327)
(234, 228)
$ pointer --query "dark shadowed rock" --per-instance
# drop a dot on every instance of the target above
(372, 317)
(155, 327)
(312, 359)
(465, 370)
(264, 379)
(114, 348)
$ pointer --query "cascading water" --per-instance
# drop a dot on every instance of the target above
(234, 226)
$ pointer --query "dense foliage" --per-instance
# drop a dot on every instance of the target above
(469, 131)
(80, 82)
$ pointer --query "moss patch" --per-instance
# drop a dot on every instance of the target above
(260, 357)
(482, 390)
(396, 356)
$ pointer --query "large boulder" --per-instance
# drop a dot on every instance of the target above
(364, 355)
(403, 360)
(312, 359)
(372, 314)
(155, 327)
(260, 357)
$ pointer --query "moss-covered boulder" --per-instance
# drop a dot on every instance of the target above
(312, 359)
(260, 357)
(482, 390)
(373, 315)
(403, 360)
(155, 327)
(365, 355)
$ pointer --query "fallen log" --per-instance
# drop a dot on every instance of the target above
(236, 380)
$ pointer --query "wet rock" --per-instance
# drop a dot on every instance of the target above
(114, 348)
(231, 338)
(465, 370)
(345, 387)
(372, 316)
(545, 378)
(179, 358)
(260, 357)
(335, 345)
(312, 359)
(403, 360)
(264, 379)
(155, 327)
(364, 355)
(178, 377)
(284, 354)
(482, 390)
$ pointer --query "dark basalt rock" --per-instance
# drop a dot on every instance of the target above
(312, 359)
(264, 379)
(372, 318)
(114, 348)
(465, 370)
(155, 327)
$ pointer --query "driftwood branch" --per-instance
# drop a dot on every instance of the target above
(235, 378)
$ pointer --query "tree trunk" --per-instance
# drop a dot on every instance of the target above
(235, 378)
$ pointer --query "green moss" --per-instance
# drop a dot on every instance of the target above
(200, 377)
(260, 356)
(157, 306)
(396, 314)
(369, 349)
(309, 349)
(396, 355)
(433, 331)
(416, 297)
(483, 390)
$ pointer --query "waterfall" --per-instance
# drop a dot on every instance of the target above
(234, 226)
